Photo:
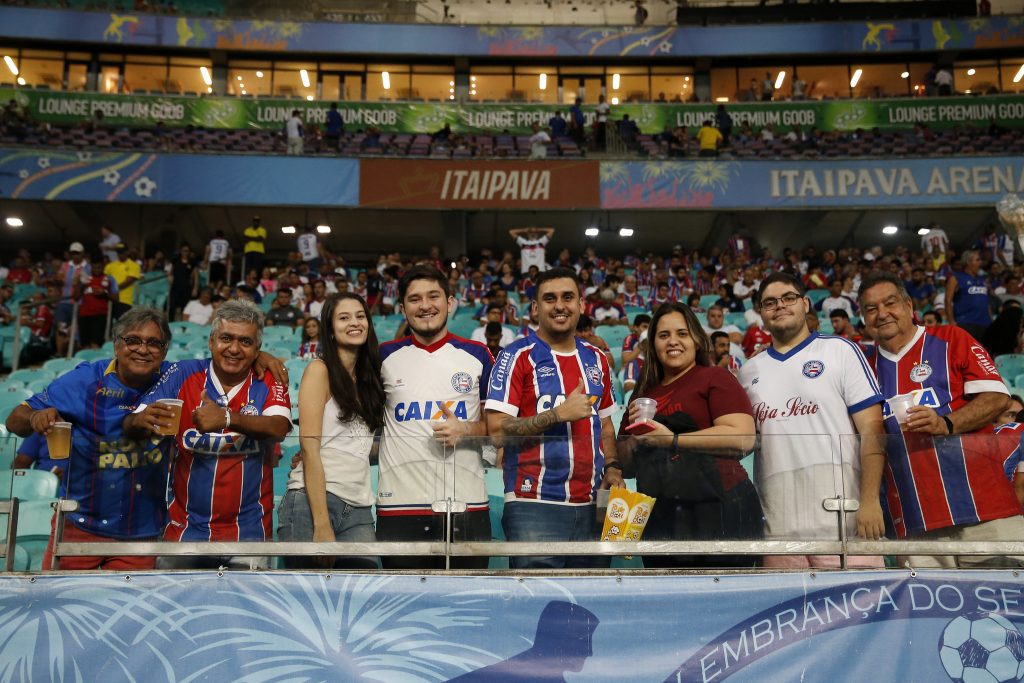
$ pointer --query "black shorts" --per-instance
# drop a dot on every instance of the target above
(218, 272)
(467, 526)
(91, 329)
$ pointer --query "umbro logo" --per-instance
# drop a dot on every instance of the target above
(755, 380)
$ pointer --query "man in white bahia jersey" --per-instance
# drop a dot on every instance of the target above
(309, 249)
(434, 383)
(811, 396)
(532, 244)
(553, 385)
(218, 256)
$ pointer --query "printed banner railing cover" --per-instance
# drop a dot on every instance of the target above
(61, 107)
(240, 626)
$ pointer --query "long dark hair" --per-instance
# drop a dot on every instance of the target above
(653, 372)
(365, 396)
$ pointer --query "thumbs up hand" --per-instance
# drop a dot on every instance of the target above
(577, 405)
(208, 415)
(450, 429)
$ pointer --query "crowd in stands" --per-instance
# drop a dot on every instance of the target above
(711, 348)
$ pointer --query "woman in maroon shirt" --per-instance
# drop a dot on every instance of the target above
(689, 461)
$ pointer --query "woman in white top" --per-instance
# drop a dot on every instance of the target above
(341, 405)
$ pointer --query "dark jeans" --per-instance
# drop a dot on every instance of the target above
(539, 522)
(737, 517)
(467, 526)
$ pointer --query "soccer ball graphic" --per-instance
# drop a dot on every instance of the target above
(144, 187)
(982, 647)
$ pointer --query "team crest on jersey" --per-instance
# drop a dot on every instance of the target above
(462, 382)
(594, 375)
(248, 409)
(813, 368)
(920, 372)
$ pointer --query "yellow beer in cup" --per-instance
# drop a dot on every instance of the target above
(58, 441)
(175, 405)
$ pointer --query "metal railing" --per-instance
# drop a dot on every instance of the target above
(452, 478)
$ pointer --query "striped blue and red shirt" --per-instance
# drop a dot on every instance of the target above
(222, 484)
(565, 464)
(932, 483)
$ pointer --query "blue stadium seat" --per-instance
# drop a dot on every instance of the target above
(1010, 365)
(816, 295)
(28, 484)
(89, 355)
(58, 366)
(23, 376)
(9, 401)
(38, 385)
(708, 300)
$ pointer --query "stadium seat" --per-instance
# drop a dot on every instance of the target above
(23, 376)
(9, 401)
(38, 385)
(89, 355)
(58, 366)
(295, 367)
(708, 300)
(1010, 365)
(28, 484)
(9, 444)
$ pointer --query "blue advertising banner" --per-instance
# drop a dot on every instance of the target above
(126, 28)
(867, 183)
(178, 178)
(267, 627)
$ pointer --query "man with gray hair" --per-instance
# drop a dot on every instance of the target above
(231, 418)
(118, 483)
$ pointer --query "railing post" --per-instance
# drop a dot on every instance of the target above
(17, 337)
(73, 331)
(10, 544)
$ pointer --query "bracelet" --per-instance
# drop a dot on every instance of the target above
(949, 423)
(227, 417)
(609, 465)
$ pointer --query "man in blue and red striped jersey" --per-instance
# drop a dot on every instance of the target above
(222, 485)
(118, 482)
(939, 488)
(553, 385)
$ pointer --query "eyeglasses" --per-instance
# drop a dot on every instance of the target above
(134, 343)
(786, 300)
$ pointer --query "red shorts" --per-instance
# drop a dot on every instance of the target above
(73, 534)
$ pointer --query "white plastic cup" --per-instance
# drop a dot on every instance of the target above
(900, 404)
(646, 409)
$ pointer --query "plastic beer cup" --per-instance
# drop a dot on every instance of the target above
(175, 405)
(58, 441)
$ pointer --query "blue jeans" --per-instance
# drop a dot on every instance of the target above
(538, 522)
(350, 523)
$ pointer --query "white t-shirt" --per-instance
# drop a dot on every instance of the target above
(532, 252)
(107, 245)
(198, 313)
(308, 246)
(415, 470)
(741, 290)
(314, 307)
(831, 303)
(734, 348)
(802, 403)
(507, 336)
(345, 452)
(602, 110)
(219, 248)
(293, 127)
(539, 144)
(936, 237)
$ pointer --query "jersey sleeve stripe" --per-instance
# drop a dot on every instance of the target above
(866, 403)
(502, 407)
(863, 362)
(985, 385)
